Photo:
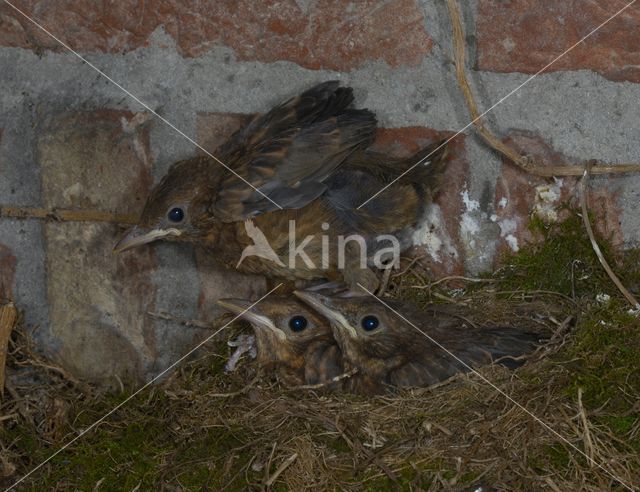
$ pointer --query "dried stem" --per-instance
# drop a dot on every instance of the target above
(64, 215)
(8, 317)
(594, 244)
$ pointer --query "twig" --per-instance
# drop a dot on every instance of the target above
(453, 277)
(594, 244)
(385, 281)
(562, 327)
(334, 379)
(524, 162)
(65, 215)
(8, 317)
(588, 442)
(411, 263)
(191, 323)
(241, 391)
(552, 485)
(283, 466)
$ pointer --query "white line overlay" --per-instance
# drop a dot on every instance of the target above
(149, 383)
(500, 101)
(520, 406)
(146, 106)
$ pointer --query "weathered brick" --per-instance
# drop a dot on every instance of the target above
(331, 34)
(217, 282)
(525, 35)
(520, 195)
(438, 236)
(98, 301)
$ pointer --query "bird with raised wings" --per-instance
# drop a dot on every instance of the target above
(307, 160)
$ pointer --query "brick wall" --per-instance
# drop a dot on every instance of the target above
(69, 138)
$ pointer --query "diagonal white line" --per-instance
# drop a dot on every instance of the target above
(149, 383)
(520, 406)
(146, 106)
(500, 101)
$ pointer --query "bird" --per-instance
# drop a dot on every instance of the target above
(404, 346)
(306, 162)
(292, 340)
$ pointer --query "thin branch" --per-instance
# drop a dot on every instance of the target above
(65, 215)
(334, 379)
(8, 317)
(594, 244)
(285, 464)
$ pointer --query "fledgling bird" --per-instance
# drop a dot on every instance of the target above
(387, 350)
(306, 160)
(291, 339)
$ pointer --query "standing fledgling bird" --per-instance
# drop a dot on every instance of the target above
(306, 161)
(387, 350)
(291, 338)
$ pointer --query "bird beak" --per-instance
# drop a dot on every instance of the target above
(243, 309)
(325, 306)
(137, 236)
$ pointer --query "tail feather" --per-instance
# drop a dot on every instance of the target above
(506, 345)
(427, 168)
(424, 168)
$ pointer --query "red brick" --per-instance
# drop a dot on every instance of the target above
(7, 272)
(518, 188)
(525, 35)
(330, 34)
(407, 141)
(97, 300)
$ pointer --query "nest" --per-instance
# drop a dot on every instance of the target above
(202, 428)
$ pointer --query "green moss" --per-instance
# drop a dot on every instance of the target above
(338, 445)
(202, 460)
(605, 355)
(121, 461)
(563, 261)
(603, 362)
(620, 425)
(558, 456)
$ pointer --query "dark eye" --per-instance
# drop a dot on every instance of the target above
(298, 323)
(176, 214)
(370, 322)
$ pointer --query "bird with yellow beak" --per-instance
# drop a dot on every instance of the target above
(389, 351)
(306, 162)
(292, 339)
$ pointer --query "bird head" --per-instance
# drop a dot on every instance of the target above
(177, 208)
(284, 327)
(368, 333)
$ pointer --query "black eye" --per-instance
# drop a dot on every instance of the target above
(298, 323)
(370, 322)
(176, 214)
